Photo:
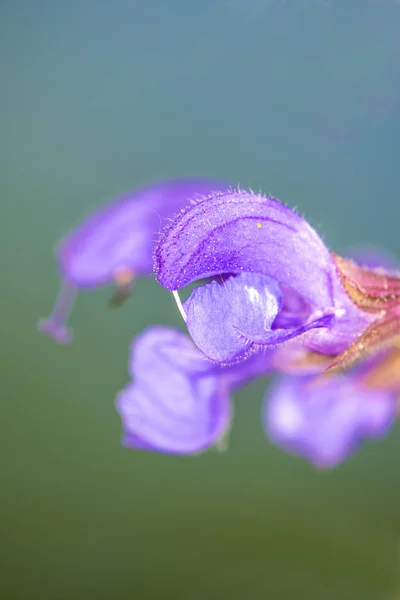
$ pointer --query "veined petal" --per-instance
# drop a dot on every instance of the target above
(177, 403)
(238, 231)
(325, 424)
(234, 232)
(228, 320)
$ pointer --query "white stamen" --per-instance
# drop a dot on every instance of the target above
(179, 305)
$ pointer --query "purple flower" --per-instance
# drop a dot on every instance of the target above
(179, 402)
(114, 245)
(326, 423)
(279, 280)
(277, 301)
(322, 420)
(230, 320)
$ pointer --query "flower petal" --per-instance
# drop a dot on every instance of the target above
(118, 239)
(227, 320)
(376, 290)
(238, 231)
(233, 232)
(115, 245)
(177, 403)
(326, 423)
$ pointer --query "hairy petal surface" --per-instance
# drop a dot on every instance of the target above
(326, 423)
(238, 231)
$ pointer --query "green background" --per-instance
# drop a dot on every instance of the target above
(298, 98)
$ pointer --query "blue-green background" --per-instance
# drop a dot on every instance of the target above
(300, 98)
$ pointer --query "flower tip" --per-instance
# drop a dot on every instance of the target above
(59, 333)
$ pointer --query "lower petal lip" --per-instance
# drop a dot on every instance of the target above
(154, 413)
(325, 424)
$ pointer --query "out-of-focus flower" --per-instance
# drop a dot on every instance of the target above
(279, 281)
(179, 402)
(326, 423)
(114, 245)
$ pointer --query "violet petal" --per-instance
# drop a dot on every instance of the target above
(227, 320)
(238, 231)
(235, 232)
(325, 424)
(115, 245)
(177, 403)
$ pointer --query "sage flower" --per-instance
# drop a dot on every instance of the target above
(178, 402)
(279, 280)
(114, 245)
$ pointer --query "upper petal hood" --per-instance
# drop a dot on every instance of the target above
(238, 231)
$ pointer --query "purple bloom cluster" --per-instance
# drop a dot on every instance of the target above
(274, 300)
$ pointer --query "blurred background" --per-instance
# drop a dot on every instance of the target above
(298, 98)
